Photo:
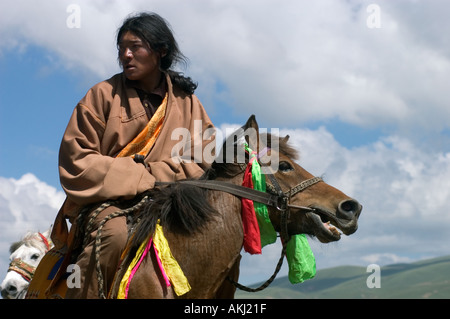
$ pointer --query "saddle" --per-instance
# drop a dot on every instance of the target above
(45, 276)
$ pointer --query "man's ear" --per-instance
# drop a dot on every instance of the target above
(163, 53)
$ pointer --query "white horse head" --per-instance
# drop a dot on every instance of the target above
(25, 256)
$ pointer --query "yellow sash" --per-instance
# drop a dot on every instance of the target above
(144, 141)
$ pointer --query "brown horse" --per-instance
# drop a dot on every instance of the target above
(204, 227)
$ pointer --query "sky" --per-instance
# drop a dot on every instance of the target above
(362, 88)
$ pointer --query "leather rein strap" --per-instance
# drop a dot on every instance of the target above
(273, 197)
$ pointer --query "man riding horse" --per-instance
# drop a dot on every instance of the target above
(119, 140)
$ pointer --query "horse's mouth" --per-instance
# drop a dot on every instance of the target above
(326, 226)
(19, 295)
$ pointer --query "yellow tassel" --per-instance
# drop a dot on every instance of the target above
(171, 267)
(122, 293)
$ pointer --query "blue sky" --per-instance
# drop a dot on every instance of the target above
(368, 108)
(35, 107)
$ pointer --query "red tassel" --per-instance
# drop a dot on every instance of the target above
(252, 237)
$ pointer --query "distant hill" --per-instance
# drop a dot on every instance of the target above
(423, 279)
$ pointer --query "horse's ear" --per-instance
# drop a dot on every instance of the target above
(285, 139)
(251, 122)
(48, 232)
(252, 133)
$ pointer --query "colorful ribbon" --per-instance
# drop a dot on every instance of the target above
(169, 267)
(300, 258)
(266, 232)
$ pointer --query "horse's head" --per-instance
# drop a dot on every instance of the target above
(330, 209)
(25, 256)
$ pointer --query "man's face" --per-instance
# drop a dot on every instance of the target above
(139, 61)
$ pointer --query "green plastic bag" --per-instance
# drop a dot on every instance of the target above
(300, 258)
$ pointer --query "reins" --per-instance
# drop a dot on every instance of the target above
(274, 197)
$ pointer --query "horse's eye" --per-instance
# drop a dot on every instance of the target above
(285, 166)
(34, 257)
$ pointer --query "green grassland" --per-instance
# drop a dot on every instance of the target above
(424, 279)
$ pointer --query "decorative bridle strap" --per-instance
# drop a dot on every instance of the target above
(296, 189)
(22, 268)
(46, 243)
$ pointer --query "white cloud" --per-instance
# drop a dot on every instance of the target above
(26, 204)
(309, 60)
(385, 258)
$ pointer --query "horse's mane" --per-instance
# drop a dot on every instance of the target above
(178, 207)
(185, 209)
(30, 239)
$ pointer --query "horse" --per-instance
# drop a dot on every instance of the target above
(25, 256)
(202, 219)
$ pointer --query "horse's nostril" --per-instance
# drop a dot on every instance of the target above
(11, 289)
(347, 206)
(349, 209)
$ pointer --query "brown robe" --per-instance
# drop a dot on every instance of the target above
(102, 124)
(105, 121)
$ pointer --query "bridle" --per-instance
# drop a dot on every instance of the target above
(24, 269)
(274, 195)
(284, 206)
(283, 200)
